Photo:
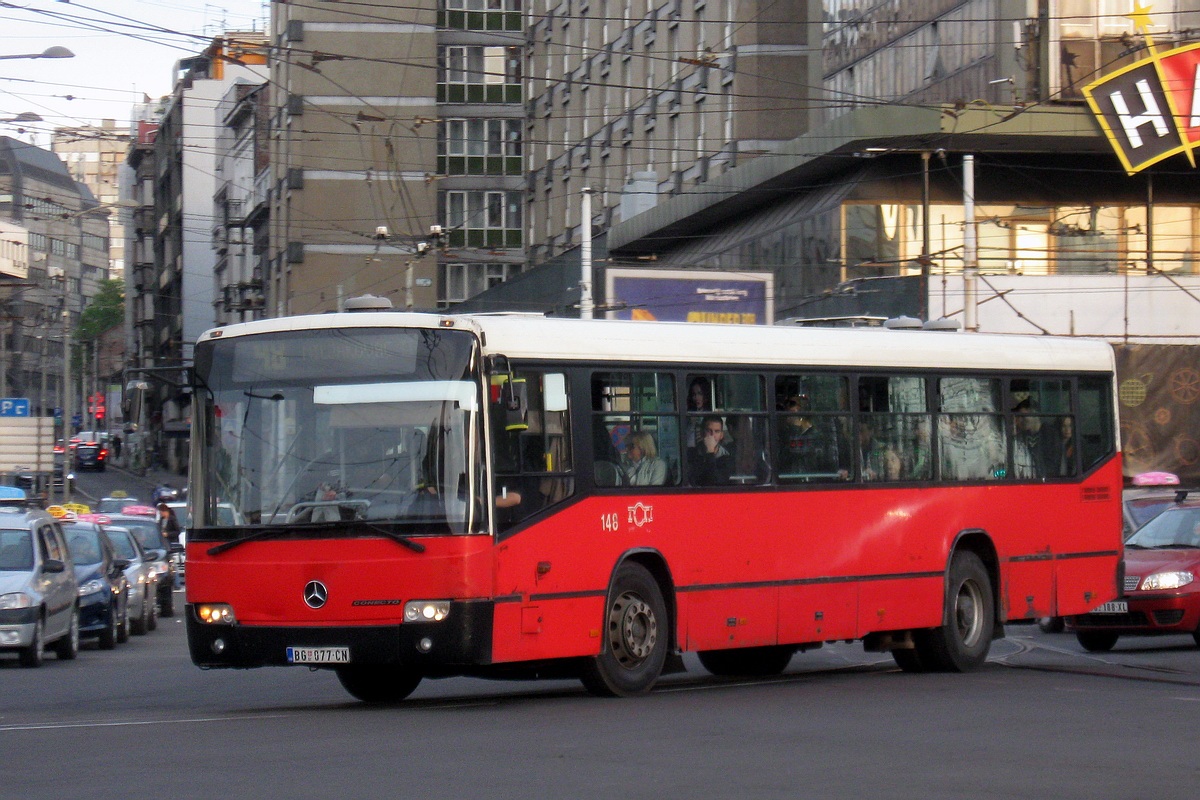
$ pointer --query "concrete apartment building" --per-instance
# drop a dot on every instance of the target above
(172, 264)
(94, 155)
(59, 258)
(386, 124)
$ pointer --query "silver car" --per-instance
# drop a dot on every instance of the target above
(142, 576)
(38, 588)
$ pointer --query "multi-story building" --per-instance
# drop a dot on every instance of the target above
(63, 231)
(396, 153)
(240, 207)
(172, 261)
(94, 154)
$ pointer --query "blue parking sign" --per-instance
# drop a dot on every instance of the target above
(14, 406)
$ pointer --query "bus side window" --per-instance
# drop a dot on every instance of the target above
(532, 457)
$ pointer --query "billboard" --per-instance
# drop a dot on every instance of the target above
(681, 295)
(1149, 109)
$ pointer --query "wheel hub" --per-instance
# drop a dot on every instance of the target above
(634, 630)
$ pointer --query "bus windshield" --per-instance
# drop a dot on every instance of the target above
(328, 428)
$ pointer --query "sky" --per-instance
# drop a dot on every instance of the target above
(124, 49)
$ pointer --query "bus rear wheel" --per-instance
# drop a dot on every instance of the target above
(962, 642)
(747, 661)
(377, 683)
(634, 636)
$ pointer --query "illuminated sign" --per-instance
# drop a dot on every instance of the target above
(1149, 110)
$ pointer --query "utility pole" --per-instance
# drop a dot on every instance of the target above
(586, 307)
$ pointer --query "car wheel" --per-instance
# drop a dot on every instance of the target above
(108, 636)
(32, 655)
(152, 619)
(634, 636)
(141, 625)
(167, 601)
(123, 624)
(1097, 641)
(378, 683)
(67, 648)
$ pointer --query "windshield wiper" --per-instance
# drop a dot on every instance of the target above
(268, 533)
(263, 534)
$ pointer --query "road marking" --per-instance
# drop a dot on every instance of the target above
(66, 725)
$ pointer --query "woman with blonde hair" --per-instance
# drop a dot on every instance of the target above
(641, 464)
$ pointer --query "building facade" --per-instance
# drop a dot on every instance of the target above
(94, 155)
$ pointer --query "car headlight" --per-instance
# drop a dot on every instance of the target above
(15, 600)
(1167, 580)
(216, 613)
(426, 610)
(91, 587)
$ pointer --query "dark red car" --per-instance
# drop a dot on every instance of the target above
(1161, 594)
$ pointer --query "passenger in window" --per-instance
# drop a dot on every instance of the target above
(709, 463)
(971, 447)
(641, 464)
(879, 461)
(1066, 460)
(808, 449)
(699, 398)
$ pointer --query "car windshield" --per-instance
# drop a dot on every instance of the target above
(1173, 528)
(16, 551)
(145, 531)
(122, 542)
(357, 424)
(1144, 509)
(84, 544)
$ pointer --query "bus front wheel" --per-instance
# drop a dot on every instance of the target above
(378, 683)
(634, 637)
(962, 642)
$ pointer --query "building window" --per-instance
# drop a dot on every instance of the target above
(459, 282)
(479, 147)
(483, 219)
(472, 74)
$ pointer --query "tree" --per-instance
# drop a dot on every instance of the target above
(106, 310)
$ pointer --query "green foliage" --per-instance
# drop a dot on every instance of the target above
(106, 310)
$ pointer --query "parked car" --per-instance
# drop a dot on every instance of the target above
(39, 594)
(161, 554)
(1161, 594)
(103, 589)
(91, 455)
(141, 575)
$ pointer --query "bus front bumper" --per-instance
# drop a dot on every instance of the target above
(463, 638)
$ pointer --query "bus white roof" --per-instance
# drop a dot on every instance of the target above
(527, 336)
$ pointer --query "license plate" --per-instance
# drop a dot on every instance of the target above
(1115, 607)
(318, 655)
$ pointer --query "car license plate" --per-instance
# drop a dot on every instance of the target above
(1115, 607)
(318, 655)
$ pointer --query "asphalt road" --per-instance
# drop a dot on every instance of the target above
(1043, 719)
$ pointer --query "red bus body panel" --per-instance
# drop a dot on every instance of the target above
(745, 568)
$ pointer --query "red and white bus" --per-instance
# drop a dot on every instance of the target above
(509, 495)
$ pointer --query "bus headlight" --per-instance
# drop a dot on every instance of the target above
(426, 610)
(216, 613)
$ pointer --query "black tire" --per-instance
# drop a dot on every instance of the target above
(1097, 641)
(635, 636)
(67, 648)
(108, 637)
(378, 684)
(33, 655)
(123, 624)
(962, 642)
(909, 660)
(747, 661)
(140, 626)
(166, 602)
(1050, 624)
(1196, 638)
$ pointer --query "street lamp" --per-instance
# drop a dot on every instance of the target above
(56, 51)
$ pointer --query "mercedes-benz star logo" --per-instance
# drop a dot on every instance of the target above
(315, 594)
